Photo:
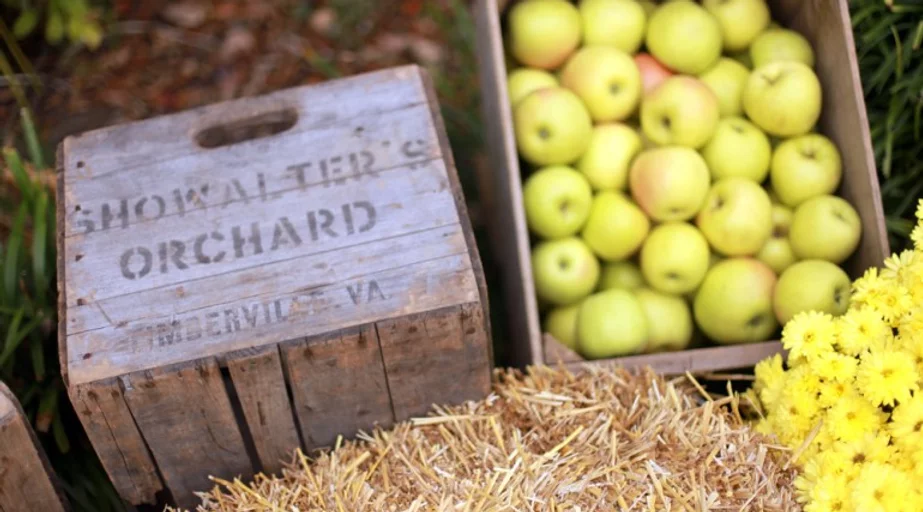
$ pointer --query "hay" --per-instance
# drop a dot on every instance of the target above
(547, 440)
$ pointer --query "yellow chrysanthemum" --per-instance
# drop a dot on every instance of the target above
(834, 367)
(861, 329)
(887, 377)
(830, 493)
(870, 283)
(920, 211)
(871, 447)
(809, 334)
(881, 488)
(907, 420)
(852, 417)
(832, 392)
(794, 415)
(898, 265)
(916, 236)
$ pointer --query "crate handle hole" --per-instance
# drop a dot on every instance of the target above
(256, 127)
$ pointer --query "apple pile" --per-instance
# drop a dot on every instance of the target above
(676, 183)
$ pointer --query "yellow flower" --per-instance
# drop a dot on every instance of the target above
(871, 447)
(852, 417)
(917, 237)
(920, 211)
(832, 392)
(794, 415)
(834, 367)
(898, 265)
(830, 493)
(862, 329)
(809, 334)
(907, 420)
(881, 488)
(887, 377)
(870, 283)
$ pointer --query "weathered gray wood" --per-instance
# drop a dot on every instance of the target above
(438, 357)
(115, 437)
(186, 417)
(338, 385)
(27, 482)
(259, 382)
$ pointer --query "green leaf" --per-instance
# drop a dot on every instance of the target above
(12, 338)
(54, 27)
(14, 163)
(36, 155)
(25, 23)
(39, 239)
(11, 261)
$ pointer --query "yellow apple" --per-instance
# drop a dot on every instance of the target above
(826, 228)
(621, 274)
(606, 79)
(611, 323)
(783, 98)
(781, 45)
(727, 79)
(811, 285)
(674, 258)
(615, 23)
(684, 36)
(737, 217)
(734, 303)
(606, 162)
(522, 81)
(777, 252)
(543, 34)
(552, 126)
(669, 321)
(739, 149)
(669, 183)
(565, 271)
(616, 227)
(805, 167)
(681, 111)
(561, 322)
(557, 201)
(741, 21)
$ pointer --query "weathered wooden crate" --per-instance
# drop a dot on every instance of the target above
(826, 24)
(249, 277)
(27, 482)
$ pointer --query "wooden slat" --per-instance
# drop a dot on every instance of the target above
(438, 357)
(27, 482)
(338, 385)
(186, 417)
(111, 428)
(259, 381)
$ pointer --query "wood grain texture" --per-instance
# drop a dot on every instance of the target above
(27, 482)
(259, 381)
(185, 415)
(438, 357)
(338, 385)
(115, 437)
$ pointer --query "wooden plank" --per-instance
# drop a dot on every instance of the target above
(438, 357)
(700, 360)
(338, 385)
(116, 439)
(185, 415)
(556, 352)
(259, 381)
(27, 482)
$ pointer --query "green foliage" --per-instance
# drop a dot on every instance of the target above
(74, 21)
(889, 35)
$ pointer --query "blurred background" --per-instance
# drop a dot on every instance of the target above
(67, 66)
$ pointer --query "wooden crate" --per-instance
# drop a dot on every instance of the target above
(27, 482)
(826, 25)
(266, 273)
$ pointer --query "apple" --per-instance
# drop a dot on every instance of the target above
(606, 79)
(552, 126)
(743, 57)
(616, 227)
(783, 98)
(561, 323)
(669, 321)
(681, 111)
(777, 251)
(804, 167)
(811, 285)
(826, 228)
(727, 79)
(621, 274)
(734, 303)
(652, 71)
(543, 34)
(737, 217)
(615, 23)
(520, 82)
(669, 183)
(741, 21)
(738, 149)
(557, 201)
(684, 36)
(565, 271)
(605, 164)
(674, 258)
(713, 259)
(611, 323)
(649, 7)
(781, 45)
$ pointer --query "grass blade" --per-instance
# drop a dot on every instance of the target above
(23, 183)
(31, 134)
(11, 337)
(39, 241)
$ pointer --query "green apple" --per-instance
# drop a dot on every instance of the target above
(740, 20)
(557, 201)
(616, 227)
(605, 164)
(737, 217)
(543, 34)
(621, 274)
(826, 228)
(713, 259)
(520, 82)
(561, 322)
(611, 323)
(727, 79)
(606, 79)
(669, 321)
(565, 271)
(777, 251)
(734, 303)
(783, 98)
(552, 126)
(781, 45)
(669, 183)
(649, 7)
(804, 167)
(615, 23)
(674, 258)
(652, 71)
(684, 36)
(811, 285)
(681, 111)
(738, 149)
